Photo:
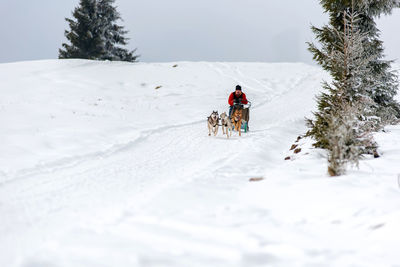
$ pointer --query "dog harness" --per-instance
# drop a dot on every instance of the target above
(224, 123)
(212, 122)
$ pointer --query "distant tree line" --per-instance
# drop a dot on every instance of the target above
(360, 98)
(95, 34)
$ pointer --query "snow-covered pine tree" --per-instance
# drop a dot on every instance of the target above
(113, 34)
(344, 111)
(94, 34)
(380, 82)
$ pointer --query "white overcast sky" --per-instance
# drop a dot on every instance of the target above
(175, 30)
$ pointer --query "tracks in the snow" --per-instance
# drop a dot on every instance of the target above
(74, 161)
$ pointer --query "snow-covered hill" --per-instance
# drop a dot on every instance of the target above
(110, 164)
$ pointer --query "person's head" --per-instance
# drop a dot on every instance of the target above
(238, 90)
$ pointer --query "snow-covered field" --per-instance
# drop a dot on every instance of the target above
(100, 168)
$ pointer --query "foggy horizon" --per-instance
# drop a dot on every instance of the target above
(255, 31)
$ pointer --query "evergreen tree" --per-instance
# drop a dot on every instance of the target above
(94, 34)
(344, 121)
(113, 34)
(383, 82)
(380, 83)
(85, 39)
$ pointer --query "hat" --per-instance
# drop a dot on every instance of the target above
(238, 87)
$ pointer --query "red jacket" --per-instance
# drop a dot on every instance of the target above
(232, 97)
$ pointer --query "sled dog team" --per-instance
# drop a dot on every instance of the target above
(234, 120)
(227, 124)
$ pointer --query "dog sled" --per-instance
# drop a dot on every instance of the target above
(245, 114)
(238, 121)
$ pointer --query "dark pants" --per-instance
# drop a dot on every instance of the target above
(230, 111)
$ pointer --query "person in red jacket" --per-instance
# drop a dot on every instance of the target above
(237, 97)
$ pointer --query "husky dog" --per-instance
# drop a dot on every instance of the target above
(237, 120)
(226, 125)
(212, 122)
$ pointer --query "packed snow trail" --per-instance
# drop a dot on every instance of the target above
(101, 168)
